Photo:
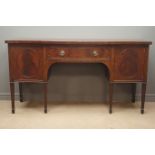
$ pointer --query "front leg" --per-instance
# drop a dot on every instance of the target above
(110, 97)
(45, 97)
(12, 91)
(143, 97)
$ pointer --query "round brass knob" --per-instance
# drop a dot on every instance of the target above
(62, 53)
(95, 53)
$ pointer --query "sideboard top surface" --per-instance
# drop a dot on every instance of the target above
(78, 42)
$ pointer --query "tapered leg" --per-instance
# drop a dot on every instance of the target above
(110, 97)
(143, 97)
(133, 92)
(21, 92)
(45, 97)
(12, 90)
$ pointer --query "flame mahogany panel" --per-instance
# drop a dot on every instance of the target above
(129, 63)
(26, 62)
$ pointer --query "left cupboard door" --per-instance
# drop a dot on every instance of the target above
(26, 62)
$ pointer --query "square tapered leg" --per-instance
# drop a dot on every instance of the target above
(45, 97)
(12, 90)
(143, 91)
(110, 97)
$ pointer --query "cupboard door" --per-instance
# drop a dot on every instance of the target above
(129, 63)
(27, 62)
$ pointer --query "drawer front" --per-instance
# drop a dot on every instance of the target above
(78, 53)
(57, 52)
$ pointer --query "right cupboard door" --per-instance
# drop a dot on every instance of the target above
(129, 63)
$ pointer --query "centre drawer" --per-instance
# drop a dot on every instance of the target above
(79, 52)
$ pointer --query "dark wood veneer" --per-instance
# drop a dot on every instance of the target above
(30, 60)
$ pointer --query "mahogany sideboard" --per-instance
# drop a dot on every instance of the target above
(30, 60)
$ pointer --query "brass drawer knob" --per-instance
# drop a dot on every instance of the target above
(62, 53)
(95, 53)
